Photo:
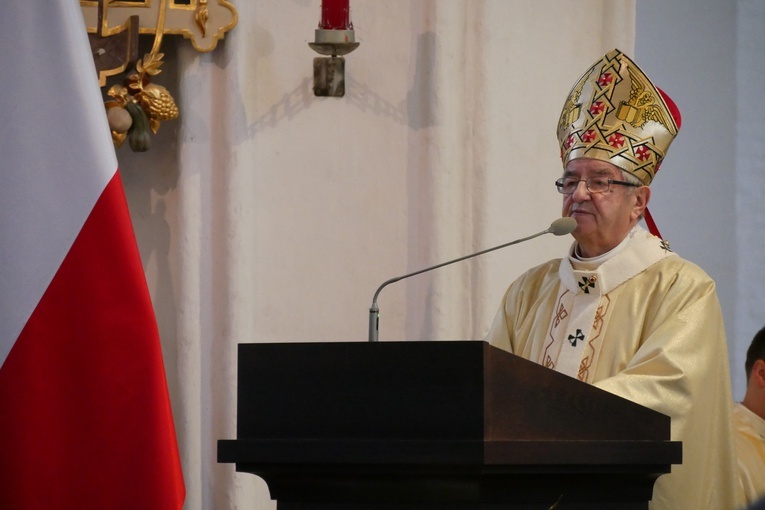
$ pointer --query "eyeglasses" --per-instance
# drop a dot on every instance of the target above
(567, 185)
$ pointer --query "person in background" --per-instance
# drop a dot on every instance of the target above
(749, 423)
(620, 310)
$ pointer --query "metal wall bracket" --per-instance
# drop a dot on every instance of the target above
(329, 76)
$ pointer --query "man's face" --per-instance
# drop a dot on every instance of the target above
(603, 219)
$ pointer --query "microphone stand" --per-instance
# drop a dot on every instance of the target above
(557, 227)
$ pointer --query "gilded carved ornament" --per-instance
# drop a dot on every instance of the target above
(138, 106)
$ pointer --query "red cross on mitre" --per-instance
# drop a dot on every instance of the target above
(616, 141)
(589, 136)
(569, 142)
(605, 79)
(597, 107)
(643, 153)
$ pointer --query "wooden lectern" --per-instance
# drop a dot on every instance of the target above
(438, 425)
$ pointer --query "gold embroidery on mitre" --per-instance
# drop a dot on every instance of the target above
(614, 113)
(573, 108)
(643, 106)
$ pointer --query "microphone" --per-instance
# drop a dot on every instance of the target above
(559, 227)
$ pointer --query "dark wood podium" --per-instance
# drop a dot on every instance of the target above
(438, 425)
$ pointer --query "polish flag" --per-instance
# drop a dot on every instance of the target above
(85, 418)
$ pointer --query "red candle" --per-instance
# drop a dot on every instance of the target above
(335, 15)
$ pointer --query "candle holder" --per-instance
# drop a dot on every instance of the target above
(329, 71)
(335, 43)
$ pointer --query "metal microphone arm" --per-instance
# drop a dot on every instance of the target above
(374, 310)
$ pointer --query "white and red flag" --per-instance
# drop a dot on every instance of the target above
(85, 418)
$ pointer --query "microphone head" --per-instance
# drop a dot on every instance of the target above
(562, 226)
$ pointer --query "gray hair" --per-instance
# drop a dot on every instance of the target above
(631, 178)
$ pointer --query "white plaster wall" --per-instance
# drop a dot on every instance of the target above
(449, 119)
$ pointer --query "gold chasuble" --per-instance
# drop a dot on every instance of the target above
(644, 324)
